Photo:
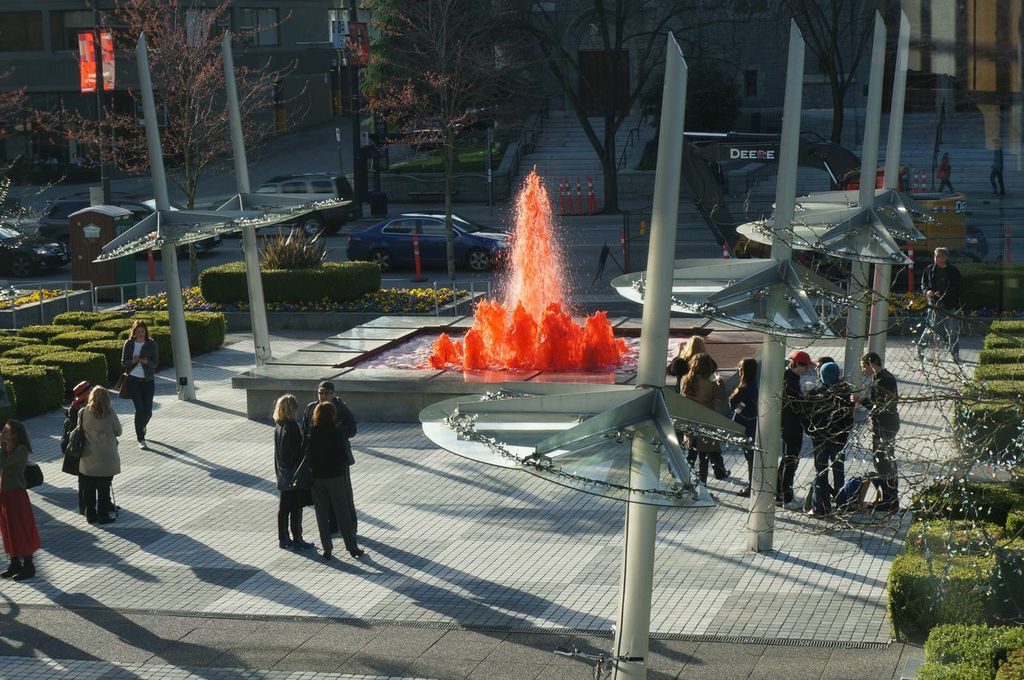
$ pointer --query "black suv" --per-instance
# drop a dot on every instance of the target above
(315, 185)
(54, 224)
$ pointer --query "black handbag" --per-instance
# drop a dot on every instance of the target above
(302, 478)
(33, 476)
(76, 440)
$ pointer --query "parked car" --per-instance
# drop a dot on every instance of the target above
(389, 243)
(55, 220)
(24, 254)
(315, 185)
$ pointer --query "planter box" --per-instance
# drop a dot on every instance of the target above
(43, 312)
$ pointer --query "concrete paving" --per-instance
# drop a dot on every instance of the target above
(470, 572)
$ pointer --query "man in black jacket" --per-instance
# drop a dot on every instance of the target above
(881, 401)
(830, 411)
(941, 284)
(794, 422)
(346, 425)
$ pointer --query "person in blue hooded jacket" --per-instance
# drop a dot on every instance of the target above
(830, 420)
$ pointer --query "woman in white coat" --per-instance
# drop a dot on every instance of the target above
(100, 461)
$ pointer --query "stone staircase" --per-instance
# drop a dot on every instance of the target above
(562, 151)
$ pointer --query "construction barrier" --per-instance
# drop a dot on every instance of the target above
(625, 251)
(579, 196)
(419, 278)
(563, 195)
(1008, 246)
(910, 268)
(725, 251)
(919, 183)
(591, 197)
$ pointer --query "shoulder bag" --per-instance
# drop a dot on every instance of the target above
(121, 386)
(33, 476)
(76, 440)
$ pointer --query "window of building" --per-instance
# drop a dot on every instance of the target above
(750, 83)
(65, 26)
(21, 32)
(257, 26)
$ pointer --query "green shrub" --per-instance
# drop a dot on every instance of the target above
(926, 593)
(959, 671)
(206, 331)
(1004, 342)
(292, 251)
(993, 285)
(44, 333)
(11, 341)
(1001, 356)
(85, 319)
(1015, 523)
(1013, 667)
(335, 282)
(12, 361)
(1007, 326)
(1008, 371)
(162, 336)
(111, 351)
(76, 367)
(152, 318)
(78, 338)
(29, 352)
(115, 326)
(971, 500)
(978, 646)
(38, 389)
(8, 412)
(1008, 581)
(952, 536)
(990, 430)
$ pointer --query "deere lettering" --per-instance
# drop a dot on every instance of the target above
(752, 154)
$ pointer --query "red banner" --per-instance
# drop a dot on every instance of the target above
(87, 61)
(107, 50)
(359, 43)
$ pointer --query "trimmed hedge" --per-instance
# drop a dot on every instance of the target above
(111, 351)
(1005, 371)
(334, 281)
(115, 326)
(1004, 342)
(76, 339)
(1007, 327)
(37, 389)
(971, 501)
(206, 331)
(1008, 582)
(989, 429)
(1002, 355)
(1015, 523)
(11, 341)
(44, 333)
(76, 367)
(1013, 667)
(86, 319)
(978, 646)
(931, 670)
(994, 285)
(29, 352)
(942, 536)
(927, 593)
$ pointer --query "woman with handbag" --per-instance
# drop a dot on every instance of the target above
(70, 463)
(140, 359)
(329, 459)
(100, 460)
(292, 483)
(703, 386)
(17, 523)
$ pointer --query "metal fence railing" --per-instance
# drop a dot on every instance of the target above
(475, 289)
(124, 291)
(44, 308)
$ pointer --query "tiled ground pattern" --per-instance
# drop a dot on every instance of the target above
(448, 542)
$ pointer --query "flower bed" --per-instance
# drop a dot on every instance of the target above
(383, 301)
(33, 297)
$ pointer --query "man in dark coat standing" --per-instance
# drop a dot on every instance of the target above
(345, 424)
(794, 422)
(881, 401)
(941, 284)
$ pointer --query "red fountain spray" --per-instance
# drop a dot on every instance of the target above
(532, 327)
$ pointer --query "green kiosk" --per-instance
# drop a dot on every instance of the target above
(90, 229)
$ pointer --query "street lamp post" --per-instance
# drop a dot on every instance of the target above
(97, 37)
(358, 168)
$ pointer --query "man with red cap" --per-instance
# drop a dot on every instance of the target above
(794, 422)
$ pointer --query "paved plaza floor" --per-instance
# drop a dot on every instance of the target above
(471, 572)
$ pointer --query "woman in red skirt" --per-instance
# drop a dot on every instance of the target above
(17, 524)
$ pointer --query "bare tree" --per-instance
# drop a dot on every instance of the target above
(436, 65)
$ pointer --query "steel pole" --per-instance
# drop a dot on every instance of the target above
(860, 272)
(98, 37)
(633, 632)
(253, 280)
(761, 520)
(175, 303)
(878, 325)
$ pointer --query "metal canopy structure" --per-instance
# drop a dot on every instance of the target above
(574, 434)
(180, 227)
(738, 293)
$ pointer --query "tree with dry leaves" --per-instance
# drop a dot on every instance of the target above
(436, 65)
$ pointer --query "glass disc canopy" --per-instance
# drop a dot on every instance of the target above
(582, 436)
(179, 227)
(737, 292)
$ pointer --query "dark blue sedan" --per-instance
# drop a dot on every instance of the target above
(389, 243)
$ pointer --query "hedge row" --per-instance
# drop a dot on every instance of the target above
(963, 651)
(994, 285)
(988, 417)
(37, 389)
(334, 282)
(962, 559)
(85, 319)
